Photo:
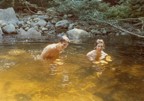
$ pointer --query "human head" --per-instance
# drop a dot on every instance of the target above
(99, 47)
(64, 38)
(65, 41)
(100, 41)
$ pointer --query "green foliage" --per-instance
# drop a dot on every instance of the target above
(68, 6)
(85, 9)
(118, 11)
(94, 9)
(136, 7)
(91, 15)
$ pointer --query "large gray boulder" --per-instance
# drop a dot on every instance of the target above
(40, 22)
(62, 24)
(8, 15)
(22, 34)
(34, 34)
(30, 34)
(78, 35)
(9, 29)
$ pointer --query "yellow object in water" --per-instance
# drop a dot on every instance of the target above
(100, 62)
(108, 58)
(103, 62)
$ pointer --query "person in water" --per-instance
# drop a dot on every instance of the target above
(97, 55)
(52, 51)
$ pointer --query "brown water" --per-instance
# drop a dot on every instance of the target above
(25, 78)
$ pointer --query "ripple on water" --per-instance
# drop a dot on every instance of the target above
(6, 64)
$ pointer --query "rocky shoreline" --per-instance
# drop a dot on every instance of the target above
(40, 26)
(48, 25)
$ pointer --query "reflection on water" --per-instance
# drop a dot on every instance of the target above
(25, 78)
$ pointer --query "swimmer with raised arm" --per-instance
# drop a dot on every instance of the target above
(52, 51)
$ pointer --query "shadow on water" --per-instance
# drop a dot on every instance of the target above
(25, 78)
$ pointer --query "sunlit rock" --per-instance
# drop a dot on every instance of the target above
(41, 23)
(43, 28)
(78, 35)
(62, 24)
(50, 25)
(33, 33)
(2, 23)
(8, 15)
(30, 34)
(22, 34)
(43, 17)
(9, 29)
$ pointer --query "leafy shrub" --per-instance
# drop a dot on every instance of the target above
(119, 11)
(68, 6)
(94, 9)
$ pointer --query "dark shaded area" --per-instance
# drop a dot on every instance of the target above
(112, 2)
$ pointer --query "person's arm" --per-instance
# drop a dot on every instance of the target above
(90, 56)
(103, 55)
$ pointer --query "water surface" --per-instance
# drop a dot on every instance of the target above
(25, 78)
